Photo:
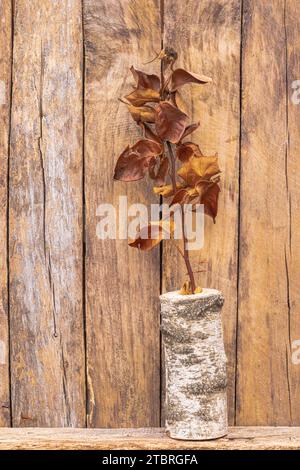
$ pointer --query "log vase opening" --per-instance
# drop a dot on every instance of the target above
(195, 364)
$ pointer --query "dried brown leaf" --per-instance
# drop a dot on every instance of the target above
(139, 97)
(158, 171)
(142, 113)
(181, 77)
(186, 150)
(209, 198)
(149, 133)
(147, 148)
(167, 190)
(170, 122)
(145, 80)
(134, 161)
(198, 167)
(152, 234)
(180, 197)
(189, 129)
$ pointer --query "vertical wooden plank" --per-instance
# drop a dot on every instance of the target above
(206, 36)
(267, 390)
(5, 85)
(122, 285)
(47, 347)
(292, 37)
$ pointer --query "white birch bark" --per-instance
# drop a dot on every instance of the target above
(196, 402)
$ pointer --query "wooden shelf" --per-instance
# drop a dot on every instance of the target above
(147, 438)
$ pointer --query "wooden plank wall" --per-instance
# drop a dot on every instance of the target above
(216, 53)
(45, 216)
(79, 317)
(122, 286)
(5, 92)
(269, 300)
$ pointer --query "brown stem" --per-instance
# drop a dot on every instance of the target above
(185, 250)
(173, 167)
(162, 80)
(177, 247)
(186, 255)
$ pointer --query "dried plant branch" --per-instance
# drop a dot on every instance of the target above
(185, 250)
(152, 104)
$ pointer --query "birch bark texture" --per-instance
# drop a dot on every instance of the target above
(195, 361)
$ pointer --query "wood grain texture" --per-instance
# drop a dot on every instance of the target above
(5, 86)
(122, 285)
(206, 36)
(45, 257)
(239, 438)
(268, 384)
(292, 38)
(44, 205)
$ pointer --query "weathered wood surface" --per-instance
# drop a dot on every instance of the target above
(5, 88)
(122, 285)
(292, 197)
(268, 384)
(239, 438)
(206, 36)
(45, 212)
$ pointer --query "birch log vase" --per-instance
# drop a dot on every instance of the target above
(195, 362)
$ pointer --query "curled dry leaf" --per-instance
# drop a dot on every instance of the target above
(146, 148)
(186, 150)
(144, 80)
(129, 166)
(158, 170)
(184, 196)
(206, 193)
(198, 167)
(141, 96)
(149, 134)
(134, 161)
(167, 190)
(178, 100)
(209, 198)
(181, 77)
(184, 153)
(180, 197)
(152, 234)
(200, 174)
(189, 129)
(170, 122)
(142, 114)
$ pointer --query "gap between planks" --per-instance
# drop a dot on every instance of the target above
(239, 438)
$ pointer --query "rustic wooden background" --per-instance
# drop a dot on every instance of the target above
(79, 318)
